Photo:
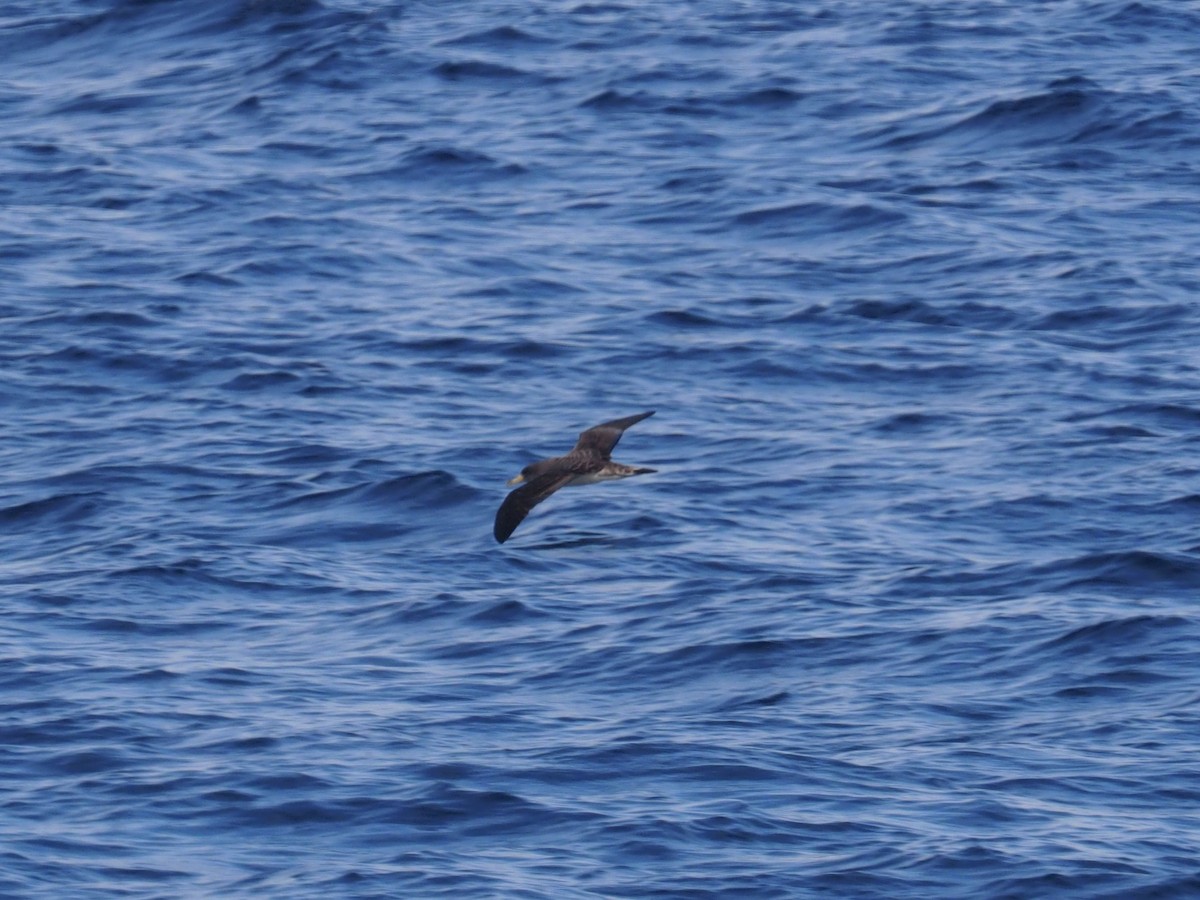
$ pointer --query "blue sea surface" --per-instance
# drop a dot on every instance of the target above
(911, 607)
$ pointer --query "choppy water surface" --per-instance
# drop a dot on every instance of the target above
(289, 289)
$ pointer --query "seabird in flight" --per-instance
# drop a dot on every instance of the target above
(589, 462)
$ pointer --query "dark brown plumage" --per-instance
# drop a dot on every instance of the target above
(590, 461)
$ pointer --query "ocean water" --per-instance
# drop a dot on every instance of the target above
(911, 608)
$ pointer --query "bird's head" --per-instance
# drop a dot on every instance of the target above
(531, 471)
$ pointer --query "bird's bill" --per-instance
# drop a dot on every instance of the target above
(516, 479)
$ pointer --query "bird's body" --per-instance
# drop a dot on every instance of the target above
(588, 463)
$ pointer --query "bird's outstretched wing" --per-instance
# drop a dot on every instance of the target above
(518, 503)
(600, 440)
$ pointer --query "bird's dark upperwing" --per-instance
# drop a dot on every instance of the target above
(601, 439)
(518, 503)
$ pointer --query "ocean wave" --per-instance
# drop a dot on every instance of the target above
(291, 286)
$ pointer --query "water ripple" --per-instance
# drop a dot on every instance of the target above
(290, 287)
